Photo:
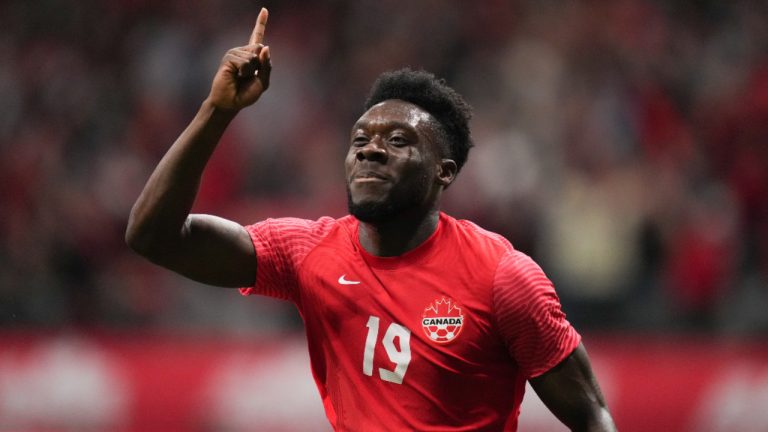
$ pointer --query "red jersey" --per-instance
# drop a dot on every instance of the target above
(441, 338)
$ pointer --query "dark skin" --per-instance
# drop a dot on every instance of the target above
(394, 148)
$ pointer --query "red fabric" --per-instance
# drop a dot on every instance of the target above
(281, 244)
(440, 338)
(529, 316)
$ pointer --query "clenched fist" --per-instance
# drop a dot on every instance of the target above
(243, 74)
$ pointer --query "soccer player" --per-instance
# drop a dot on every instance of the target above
(414, 320)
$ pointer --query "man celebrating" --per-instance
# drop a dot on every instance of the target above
(414, 320)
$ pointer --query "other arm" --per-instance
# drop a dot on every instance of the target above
(571, 392)
(539, 338)
(205, 248)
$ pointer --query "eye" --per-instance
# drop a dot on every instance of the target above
(359, 140)
(398, 140)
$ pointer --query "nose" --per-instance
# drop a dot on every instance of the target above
(372, 151)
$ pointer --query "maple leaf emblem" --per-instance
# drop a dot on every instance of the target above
(442, 320)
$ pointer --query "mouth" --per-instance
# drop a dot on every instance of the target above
(369, 177)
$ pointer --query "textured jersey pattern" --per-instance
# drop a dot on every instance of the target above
(353, 302)
(529, 316)
(281, 246)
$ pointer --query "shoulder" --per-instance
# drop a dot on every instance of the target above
(522, 289)
(297, 226)
(511, 266)
(295, 237)
(282, 245)
(518, 271)
(476, 248)
(476, 237)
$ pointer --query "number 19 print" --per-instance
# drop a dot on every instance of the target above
(401, 357)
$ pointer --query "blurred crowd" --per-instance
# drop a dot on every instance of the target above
(621, 144)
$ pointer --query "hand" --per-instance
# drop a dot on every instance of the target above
(243, 74)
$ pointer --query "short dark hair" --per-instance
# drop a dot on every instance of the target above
(433, 95)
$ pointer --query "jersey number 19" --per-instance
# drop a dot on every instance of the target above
(400, 357)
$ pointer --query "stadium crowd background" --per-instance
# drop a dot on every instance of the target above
(621, 144)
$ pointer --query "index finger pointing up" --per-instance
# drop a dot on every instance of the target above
(257, 36)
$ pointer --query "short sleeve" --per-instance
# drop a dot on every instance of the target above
(281, 246)
(529, 316)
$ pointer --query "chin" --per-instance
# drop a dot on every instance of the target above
(388, 208)
(371, 211)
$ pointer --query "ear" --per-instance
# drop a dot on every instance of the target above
(446, 172)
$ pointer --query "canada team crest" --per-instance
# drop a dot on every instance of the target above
(442, 320)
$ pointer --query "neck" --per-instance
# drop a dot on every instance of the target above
(398, 236)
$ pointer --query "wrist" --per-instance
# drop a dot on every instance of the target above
(212, 111)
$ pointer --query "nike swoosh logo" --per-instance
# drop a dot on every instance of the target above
(344, 281)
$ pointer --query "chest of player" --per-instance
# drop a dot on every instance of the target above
(431, 312)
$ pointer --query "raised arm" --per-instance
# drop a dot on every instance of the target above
(571, 392)
(205, 248)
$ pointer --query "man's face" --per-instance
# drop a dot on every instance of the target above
(392, 161)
